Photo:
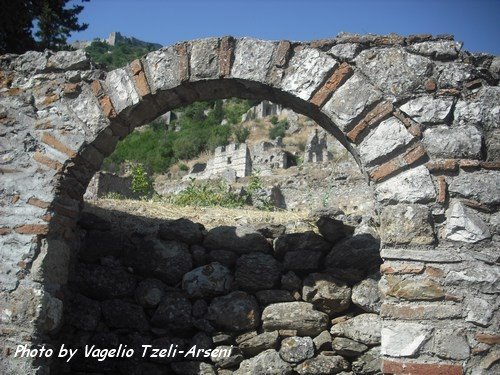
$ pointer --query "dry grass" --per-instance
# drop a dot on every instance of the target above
(210, 217)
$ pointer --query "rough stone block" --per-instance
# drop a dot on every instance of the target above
(412, 289)
(450, 344)
(395, 367)
(483, 110)
(390, 135)
(345, 51)
(252, 59)
(350, 100)
(307, 69)
(457, 142)
(482, 186)
(363, 328)
(427, 109)
(412, 186)
(205, 59)
(464, 225)
(403, 339)
(406, 224)
(121, 89)
(439, 49)
(162, 69)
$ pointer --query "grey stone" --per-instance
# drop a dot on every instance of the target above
(348, 347)
(192, 368)
(482, 277)
(296, 349)
(307, 69)
(162, 69)
(345, 51)
(495, 67)
(205, 59)
(182, 230)
(450, 344)
(268, 362)
(149, 293)
(99, 282)
(252, 59)
(403, 339)
(236, 311)
(481, 186)
(121, 89)
(360, 252)
(226, 356)
(173, 313)
(480, 309)
(439, 49)
(259, 343)
(453, 143)
(412, 186)
(165, 260)
(69, 60)
(389, 136)
(439, 255)
(50, 313)
(493, 145)
(326, 293)
(395, 71)
(267, 297)
(241, 240)
(366, 295)
(299, 316)
(121, 314)
(207, 281)
(427, 109)
(323, 365)
(257, 271)
(406, 224)
(364, 328)
(306, 241)
(368, 363)
(453, 74)
(349, 100)
(483, 110)
(464, 225)
(323, 341)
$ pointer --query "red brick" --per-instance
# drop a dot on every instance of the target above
(441, 181)
(430, 85)
(282, 54)
(107, 107)
(14, 199)
(183, 61)
(414, 154)
(434, 271)
(414, 368)
(53, 142)
(338, 77)
(71, 90)
(387, 268)
(135, 66)
(4, 231)
(38, 203)
(468, 163)
(33, 229)
(495, 165)
(447, 165)
(488, 338)
(385, 170)
(448, 92)
(42, 159)
(97, 89)
(225, 56)
(475, 204)
(141, 82)
(376, 115)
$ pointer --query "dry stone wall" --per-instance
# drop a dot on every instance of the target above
(420, 116)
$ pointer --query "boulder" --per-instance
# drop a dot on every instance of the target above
(149, 292)
(300, 242)
(225, 257)
(268, 362)
(267, 297)
(291, 282)
(259, 343)
(326, 293)
(241, 240)
(303, 260)
(360, 252)
(366, 295)
(101, 282)
(84, 313)
(347, 347)
(299, 316)
(173, 313)
(464, 225)
(192, 368)
(461, 142)
(427, 109)
(368, 363)
(481, 186)
(257, 271)
(323, 341)
(296, 349)
(182, 230)
(364, 328)
(323, 365)
(236, 311)
(121, 314)
(165, 260)
(210, 280)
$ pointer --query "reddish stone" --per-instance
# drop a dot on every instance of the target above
(183, 61)
(38, 203)
(141, 82)
(488, 338)
(434, 271)
(14, 199)
(495, 165)
(468, 163)
(4, 231)
(53, 142)
(225, 56)
(430, 85)
(282, 54)
(387, 268)
(413, 368)
(107, 107)
(97, 89)
(32, 229)
(441, 198)
(71, 90)
(473, 84)
(376, 115)
(42, 159)
(338, 77)
(385, 170)
(447, 165)
(414, 154)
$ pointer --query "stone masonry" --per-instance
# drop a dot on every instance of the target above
(419, 115)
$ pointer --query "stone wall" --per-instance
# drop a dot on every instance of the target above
(280, 301)
(104, 183)
(419, 115)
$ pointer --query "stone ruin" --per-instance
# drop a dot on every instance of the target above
(316, 150)
(104, 183)
(419, 115)
(261, 110)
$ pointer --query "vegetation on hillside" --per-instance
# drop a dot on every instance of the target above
(116, 56)
(198, 129)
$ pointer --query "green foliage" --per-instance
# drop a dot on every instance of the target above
(278, 130)
(142, 185)
(234, 109)
(117, 56)
(54, 22)
(207, 194)
(274, 120)
(296, 159)
(253, 189)
(241, 133)
(183, 167)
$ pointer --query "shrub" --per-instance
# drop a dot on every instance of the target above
(206, 194)
(183, 167)
(274, 120)
(241, 134)
(278, 130)
(142, 185)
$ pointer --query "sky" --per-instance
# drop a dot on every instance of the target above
(474, 22)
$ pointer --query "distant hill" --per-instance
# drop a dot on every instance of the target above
(116, 50)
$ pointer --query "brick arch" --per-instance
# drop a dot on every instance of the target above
(70, 116)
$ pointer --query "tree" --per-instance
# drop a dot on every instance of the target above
(52, 21)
